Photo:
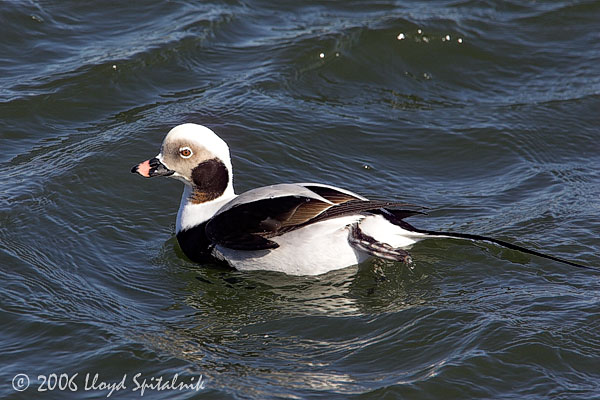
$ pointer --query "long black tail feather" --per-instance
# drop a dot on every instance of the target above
(502, 243)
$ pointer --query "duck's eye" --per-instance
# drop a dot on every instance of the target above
(185, 152)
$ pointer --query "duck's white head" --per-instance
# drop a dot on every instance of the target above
(195, 155)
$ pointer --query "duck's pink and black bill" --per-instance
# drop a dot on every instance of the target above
(152, 167)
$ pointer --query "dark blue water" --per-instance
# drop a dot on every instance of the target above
(486, 112)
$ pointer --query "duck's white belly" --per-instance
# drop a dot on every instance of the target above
(312, 250)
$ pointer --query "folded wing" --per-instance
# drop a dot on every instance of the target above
(253, 218)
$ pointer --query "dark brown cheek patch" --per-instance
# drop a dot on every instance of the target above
(210, 180)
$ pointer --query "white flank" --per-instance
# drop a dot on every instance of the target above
(383, 231)
(312, 250)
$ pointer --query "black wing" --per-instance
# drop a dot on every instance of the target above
(249, 226)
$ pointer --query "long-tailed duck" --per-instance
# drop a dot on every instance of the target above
(299, 229)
